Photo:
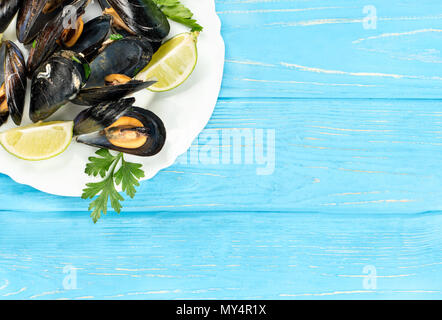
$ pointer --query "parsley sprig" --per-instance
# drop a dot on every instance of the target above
(116, 36)
(105, 166)
(176, 11)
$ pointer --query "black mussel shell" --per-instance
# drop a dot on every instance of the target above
(97, 95)
(55, 82)
(4, 112)
(15, 81)
(155, 45)
(126, 31)
(13, 76)
(95, 32)
(98, 117)
(8, 9)
(126, 56)
(103, 4)
(45, 43)
(143, 17)
(153, 129)
(34, 14)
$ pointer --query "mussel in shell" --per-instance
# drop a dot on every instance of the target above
(140, 17)
(35, 14)
(110, 92)
(122, 127)
(126, 56)
(113, 69)
(91, 38)
(12, 82)
(55, 82)
(8, 9)
(47, 40)
(109, 71)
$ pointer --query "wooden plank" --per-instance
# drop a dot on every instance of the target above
(227, 256)
(367, 156)
(305, 71)
(324, 49)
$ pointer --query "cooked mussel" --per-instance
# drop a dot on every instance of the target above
(47, 41)
(110, 92)
(122, 127)
(141, 17)
(12, 82)
(8, 9)
(110, 70)
(125, 57)
(113, 69)
(55, 82)
(90, 38)
(35, 14)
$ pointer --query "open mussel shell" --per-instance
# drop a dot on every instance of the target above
(126, 56)
(97, 95)
(45, 43)
(95, 32)
(55, 82)
(35, 14)
(8, 9)
(143, 17)
(98, 117)
(12, 82)
(121, 127)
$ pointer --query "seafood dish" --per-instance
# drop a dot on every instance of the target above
(86, 63)
(69, 71)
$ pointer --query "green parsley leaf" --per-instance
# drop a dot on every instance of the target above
(116, 36)
(87, 70)
(104, 165)
(176, 11)
(99, 166)
(76, 59)
(34, 44)
(128, 175)
(136, 71)
(99, 205)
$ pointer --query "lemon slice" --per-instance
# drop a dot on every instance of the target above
(173, 63)
(38, 141)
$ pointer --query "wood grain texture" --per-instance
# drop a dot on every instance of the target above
(356, 118)
(342, 156)
(321, 49)
(232, 255)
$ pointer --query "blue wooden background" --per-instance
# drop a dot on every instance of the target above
(351, 209)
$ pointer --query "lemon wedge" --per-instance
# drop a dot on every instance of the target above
(38, 141)
(173, 63)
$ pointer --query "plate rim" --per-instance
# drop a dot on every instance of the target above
(171, 159)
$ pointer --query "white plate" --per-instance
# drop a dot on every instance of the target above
(184, 110)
